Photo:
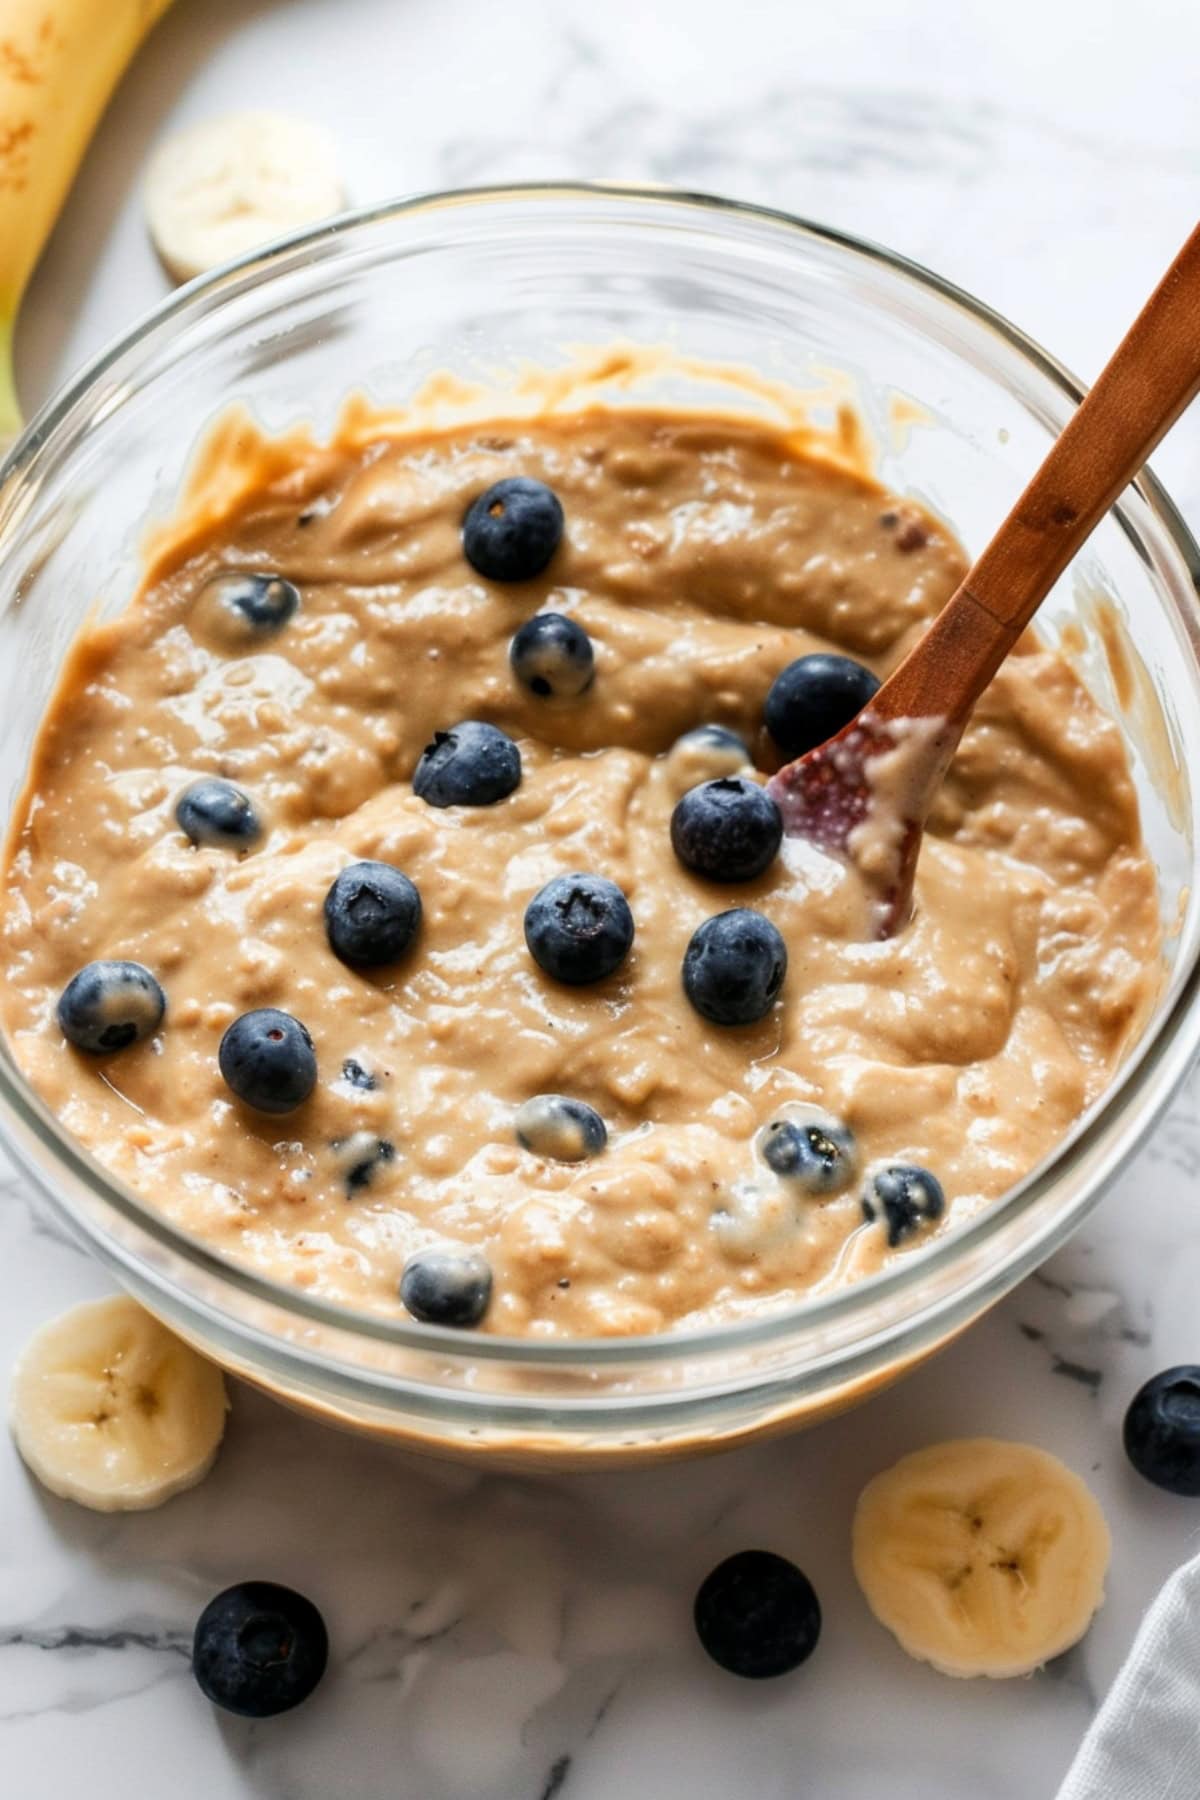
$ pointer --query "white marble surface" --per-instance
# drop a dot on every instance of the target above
(521, 1639)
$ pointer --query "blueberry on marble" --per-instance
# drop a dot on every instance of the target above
(729, 829)
(560, 1128)
(470, 765)
(259, 1649)
(1162, 1430)
(267, 1060)
(734, 966)
(552, 656)
(513, 529)
(818, 1155)
(906, 1197)
(757, 1615)
(260, 604)
(446, 1287)
(813, 698)
(359, 1156)
(107, 1006)
(372, 914)
(579, 928)
(214, 813)
(704, 754)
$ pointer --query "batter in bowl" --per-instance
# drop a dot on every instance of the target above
(506, 1078)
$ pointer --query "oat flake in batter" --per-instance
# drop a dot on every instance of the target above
(700, 557)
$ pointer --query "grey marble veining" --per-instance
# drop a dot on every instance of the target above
(531, 1639)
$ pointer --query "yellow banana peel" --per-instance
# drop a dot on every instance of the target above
(10, 406)
(59, 63)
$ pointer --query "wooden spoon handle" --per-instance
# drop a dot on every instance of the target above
(1142, 390)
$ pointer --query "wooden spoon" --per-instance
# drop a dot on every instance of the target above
(866, 794)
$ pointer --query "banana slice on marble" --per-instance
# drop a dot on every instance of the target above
(225, 186)
(112, 1410)
(983, 1557)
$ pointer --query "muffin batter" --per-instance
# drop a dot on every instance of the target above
(701, 557)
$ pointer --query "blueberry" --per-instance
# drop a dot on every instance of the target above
(446, 1287)
(358, 1156)
(470, 765)
(729, 829)
(259, 1649)
(214, 812)
(734, 967)
(372, 913)
(579, 928)
(818, 1154)
(358, 1075)
(907, 1197)
(813, 698)
(704, 754)
(552, 656)
(109, 1005)
(255, 604)
(267, 1060)
(511, 531)
(561, 1129)
(757, 1615)
(1162, 1430)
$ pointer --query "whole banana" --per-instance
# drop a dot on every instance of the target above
(59, 62)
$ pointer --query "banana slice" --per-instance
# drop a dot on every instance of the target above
(983, 1557)
(225, 186)
(111, 1409)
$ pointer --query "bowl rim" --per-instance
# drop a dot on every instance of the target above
(1152, 1071)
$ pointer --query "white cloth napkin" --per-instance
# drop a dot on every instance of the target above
(1144, 1743)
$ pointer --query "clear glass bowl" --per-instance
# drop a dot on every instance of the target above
(471, 282)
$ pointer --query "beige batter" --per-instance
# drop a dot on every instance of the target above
(701, 556)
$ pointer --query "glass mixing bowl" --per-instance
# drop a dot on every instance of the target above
(960, 408)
